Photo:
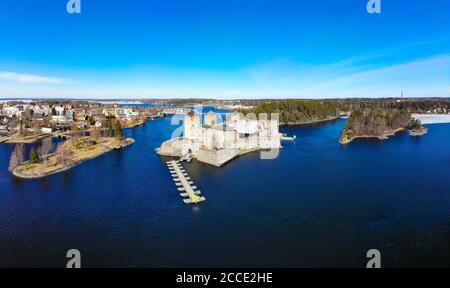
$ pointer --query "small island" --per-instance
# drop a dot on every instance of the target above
(416, 128)
(377, 123)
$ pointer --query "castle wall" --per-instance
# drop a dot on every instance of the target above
(269, 135)
(218, 146)
(216, 157)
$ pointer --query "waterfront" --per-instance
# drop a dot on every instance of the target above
(318, 204)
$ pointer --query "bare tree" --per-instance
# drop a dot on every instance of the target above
(63, 154)
(13, 163)
(17, 157)
(75, 133)
(95, 133)
(20, 153)
(45, 149)
(26, 120)
(36, 126)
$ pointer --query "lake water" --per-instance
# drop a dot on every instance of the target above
(318, 204)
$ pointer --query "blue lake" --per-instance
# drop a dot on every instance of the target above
(317, 204)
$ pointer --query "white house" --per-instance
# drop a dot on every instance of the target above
(59, 110)
(13, 111)
(46, 130)
(61, 119)
(39, 110)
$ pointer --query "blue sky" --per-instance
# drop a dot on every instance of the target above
(224, 49)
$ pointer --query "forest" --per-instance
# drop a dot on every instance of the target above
(375, 123)
(306, 111)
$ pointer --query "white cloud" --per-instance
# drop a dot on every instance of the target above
(29, 78)
(426, 77)
(358, 76)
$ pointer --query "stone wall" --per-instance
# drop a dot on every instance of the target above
(175, 147)
(217, 157)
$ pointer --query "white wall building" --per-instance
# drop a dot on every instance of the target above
(45, 130)
(59, 110)
(13, 111)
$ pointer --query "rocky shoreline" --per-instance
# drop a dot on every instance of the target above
(418, 132)
(310, 122)
(414, 133)
(384, 136)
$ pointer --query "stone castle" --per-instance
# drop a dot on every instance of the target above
(216, 142)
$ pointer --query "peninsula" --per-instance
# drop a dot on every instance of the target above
(68, 154)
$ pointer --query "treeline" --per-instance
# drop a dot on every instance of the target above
(298, 111)
(411, 105)
(302, 111)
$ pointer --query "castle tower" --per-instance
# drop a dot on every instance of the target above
(192, 127)
(234, 117)
(211, 119)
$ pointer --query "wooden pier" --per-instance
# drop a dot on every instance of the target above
(183, 183)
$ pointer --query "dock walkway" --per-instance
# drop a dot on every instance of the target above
(183, 183)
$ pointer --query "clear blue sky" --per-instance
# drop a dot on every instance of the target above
(224, 49)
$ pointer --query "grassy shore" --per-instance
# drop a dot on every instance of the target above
(133, 123)
(27, 139)
(78, 151)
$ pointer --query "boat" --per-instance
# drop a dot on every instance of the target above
(285, 137)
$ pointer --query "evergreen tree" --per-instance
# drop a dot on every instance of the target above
(34, 158)
(91, 120)
(118, 130)
(110, 128)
